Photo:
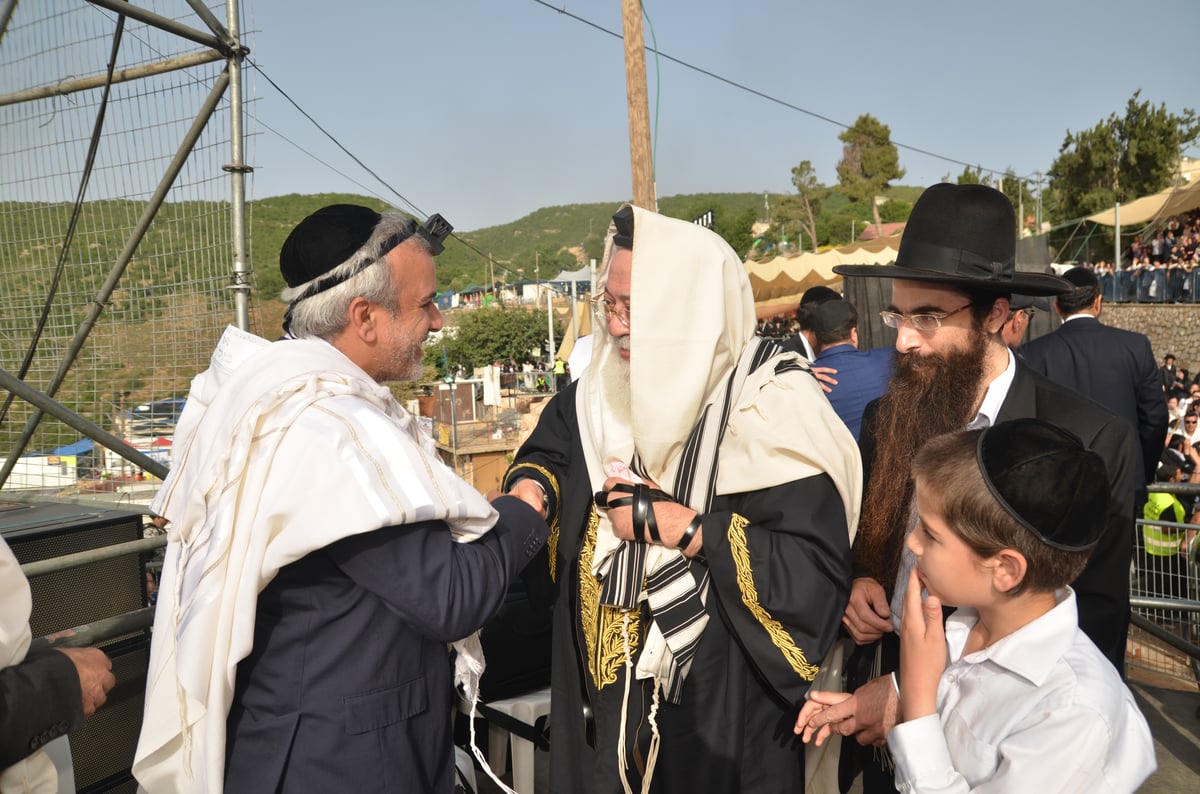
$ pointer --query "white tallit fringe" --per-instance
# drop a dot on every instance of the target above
(251, 493)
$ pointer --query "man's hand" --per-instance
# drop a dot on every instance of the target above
(868, 715)
(922, 651)
(530, 492)
(95, 676)
(817, 703)
(868, 616)
(672, 519)
(825, 377)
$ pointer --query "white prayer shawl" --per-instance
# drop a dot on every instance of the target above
(35, 773)
(691, 320)
(282, 449)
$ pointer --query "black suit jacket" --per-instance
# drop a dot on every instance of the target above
(40, 700)
(1114, 367)
(348, 686)
(1103, 588)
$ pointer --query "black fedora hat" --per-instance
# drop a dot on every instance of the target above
(962, 235)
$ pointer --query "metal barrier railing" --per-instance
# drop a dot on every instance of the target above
(1164, 592)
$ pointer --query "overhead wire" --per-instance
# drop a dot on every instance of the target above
(762, 94)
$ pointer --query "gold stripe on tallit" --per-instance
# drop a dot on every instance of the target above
(601, 624)
(745, 580)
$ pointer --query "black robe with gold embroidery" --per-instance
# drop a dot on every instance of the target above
(779, 562)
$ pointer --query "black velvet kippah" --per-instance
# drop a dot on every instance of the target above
(830, 316)
(1047, 480)
(324, 240)
(623, 220)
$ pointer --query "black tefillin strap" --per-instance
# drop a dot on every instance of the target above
(434, 231)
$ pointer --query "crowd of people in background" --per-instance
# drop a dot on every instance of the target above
(1162, 269)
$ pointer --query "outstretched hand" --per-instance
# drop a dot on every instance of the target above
(818, 702)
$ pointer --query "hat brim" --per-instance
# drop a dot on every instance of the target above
(1037, 284)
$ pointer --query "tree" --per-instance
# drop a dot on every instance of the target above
(1120, 159)
(869, 162)
(737, 230)
(811, 192)
(487, 335)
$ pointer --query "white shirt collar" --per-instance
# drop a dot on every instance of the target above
(1051, 633)
(997, 390)
(1079, 316)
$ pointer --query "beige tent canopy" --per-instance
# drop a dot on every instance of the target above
(780, 282)
(1147, 209)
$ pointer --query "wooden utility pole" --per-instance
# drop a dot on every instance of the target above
(640, 154)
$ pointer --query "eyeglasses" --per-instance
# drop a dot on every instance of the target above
(606, 308)
(1028, 312)
(926, 322)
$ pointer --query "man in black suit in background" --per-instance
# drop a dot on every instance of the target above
(952, 283)
(1112, 366)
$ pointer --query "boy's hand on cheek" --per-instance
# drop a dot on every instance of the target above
(922, 652)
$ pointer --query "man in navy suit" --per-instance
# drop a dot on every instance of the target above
(322, 556)
(862, 375)
(1112, 366)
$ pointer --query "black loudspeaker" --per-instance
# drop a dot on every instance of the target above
(102, 751)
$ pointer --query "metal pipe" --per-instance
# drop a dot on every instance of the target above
(163, 23)
(6, 12)
(213, 23)
(237, 168)
(97, 631)
(53, 564)
(85, 426)
(1178, 643)
(1174, 604)
(119, 76)
(122, 262)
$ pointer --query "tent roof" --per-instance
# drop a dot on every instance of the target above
(1165, 203)
(784, 279)
(582, 274)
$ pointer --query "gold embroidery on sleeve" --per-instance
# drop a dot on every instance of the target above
(601, 624)
(745, 580)
(552, 542)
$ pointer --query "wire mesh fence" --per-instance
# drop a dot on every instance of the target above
(106, 303)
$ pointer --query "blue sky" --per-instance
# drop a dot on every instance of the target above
(486, 110)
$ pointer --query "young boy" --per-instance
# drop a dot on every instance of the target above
(1007, 517)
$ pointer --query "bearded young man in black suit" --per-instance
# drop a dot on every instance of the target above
(953, 277)
(1112, 366)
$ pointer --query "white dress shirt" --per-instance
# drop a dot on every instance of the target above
(1039, 710)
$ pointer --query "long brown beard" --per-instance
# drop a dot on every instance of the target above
(928, 395)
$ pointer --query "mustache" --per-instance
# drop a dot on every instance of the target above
(622, 342)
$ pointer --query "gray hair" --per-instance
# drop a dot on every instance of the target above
(326, 314)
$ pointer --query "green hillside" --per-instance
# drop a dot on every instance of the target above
(550, 239)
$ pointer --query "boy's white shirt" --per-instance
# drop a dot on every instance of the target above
(1039, 710)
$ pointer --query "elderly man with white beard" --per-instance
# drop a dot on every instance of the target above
(702, 496)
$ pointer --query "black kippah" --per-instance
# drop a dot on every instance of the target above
(324, 240)
(623, 220)
(1047, 480)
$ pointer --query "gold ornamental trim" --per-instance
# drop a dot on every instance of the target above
(745, 580)
(602, 625)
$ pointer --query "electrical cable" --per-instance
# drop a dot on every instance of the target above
(762, 94)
